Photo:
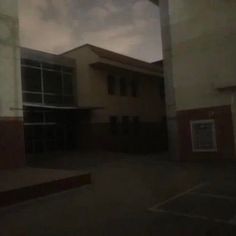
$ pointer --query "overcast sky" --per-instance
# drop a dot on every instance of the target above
(130, 27)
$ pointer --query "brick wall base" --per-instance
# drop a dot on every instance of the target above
(152, 137)
(222, 116)
(12, 150)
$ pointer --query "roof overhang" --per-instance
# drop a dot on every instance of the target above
(112, 67)
(35, 105)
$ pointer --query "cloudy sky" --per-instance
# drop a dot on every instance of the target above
(130, 27)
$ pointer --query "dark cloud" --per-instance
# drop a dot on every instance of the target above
(129, 27)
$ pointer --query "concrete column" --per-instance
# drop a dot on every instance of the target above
(11, 117)
(169, 82)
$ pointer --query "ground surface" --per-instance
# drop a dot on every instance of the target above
(132, 195)
(27, 176)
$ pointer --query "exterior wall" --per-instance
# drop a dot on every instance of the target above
(148, 106)
(222, 117)
(11, 138)
(199, 52)
(150, 113)
(83, 58)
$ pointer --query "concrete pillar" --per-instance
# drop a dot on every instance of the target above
(11, 117)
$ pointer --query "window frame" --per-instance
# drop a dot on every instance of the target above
(214, 141)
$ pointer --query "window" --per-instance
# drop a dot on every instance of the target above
(47, 84)
(68, 84)
(114, 124)
(31, 79)
(203, 136)
(123, 88)
(134, 87)
(136, 125)
(52, 82)
(161, 88)
(111, 84)
(28, 62)
(125, 124)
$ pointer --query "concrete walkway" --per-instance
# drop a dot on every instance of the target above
(24, 177)
(19, 185)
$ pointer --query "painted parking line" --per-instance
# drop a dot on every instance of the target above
(192, 216)
(213, 195)
(192, 191)
(157, 206)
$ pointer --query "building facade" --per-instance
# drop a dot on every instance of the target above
(91, 99)
(128, 92)
(199, 63)
(49, 105)
(11, 117)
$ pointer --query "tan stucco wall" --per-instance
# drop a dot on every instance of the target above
(203, 50)
(147, 105)
(92, 91)
(199, 54)
(83, 57)
(10, 81)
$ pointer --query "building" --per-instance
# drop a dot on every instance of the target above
(11, 117)
(91, 98)
(199, 63)
(49, 105)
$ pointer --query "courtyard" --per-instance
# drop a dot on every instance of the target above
(131, 195)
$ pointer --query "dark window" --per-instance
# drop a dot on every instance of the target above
(51, 116)
(125, 124)
(33, 117)
(162, 88)
(136, 125)
(123, 88)
(53, 99)
(28, 62)
(49, 66)
(68, 84)
(31, 79)
(52, 82)
(134, 87)
(114, 124)
(32, 98)
(68, 100)
(111, 83)
(68, 69)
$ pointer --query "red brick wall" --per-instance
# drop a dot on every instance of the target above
(151, 138)
(12, 150)
(224, 132)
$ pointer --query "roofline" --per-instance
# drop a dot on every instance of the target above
(73, 49)
(37, 50)
(93, 46)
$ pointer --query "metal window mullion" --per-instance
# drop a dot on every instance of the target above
(32, 67)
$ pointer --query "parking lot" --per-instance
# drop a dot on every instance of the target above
(132, 195)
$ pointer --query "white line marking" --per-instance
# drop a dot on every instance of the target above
(155, 207)
(213, 196)
(194, 216)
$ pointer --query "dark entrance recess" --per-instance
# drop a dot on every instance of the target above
(49, 130)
